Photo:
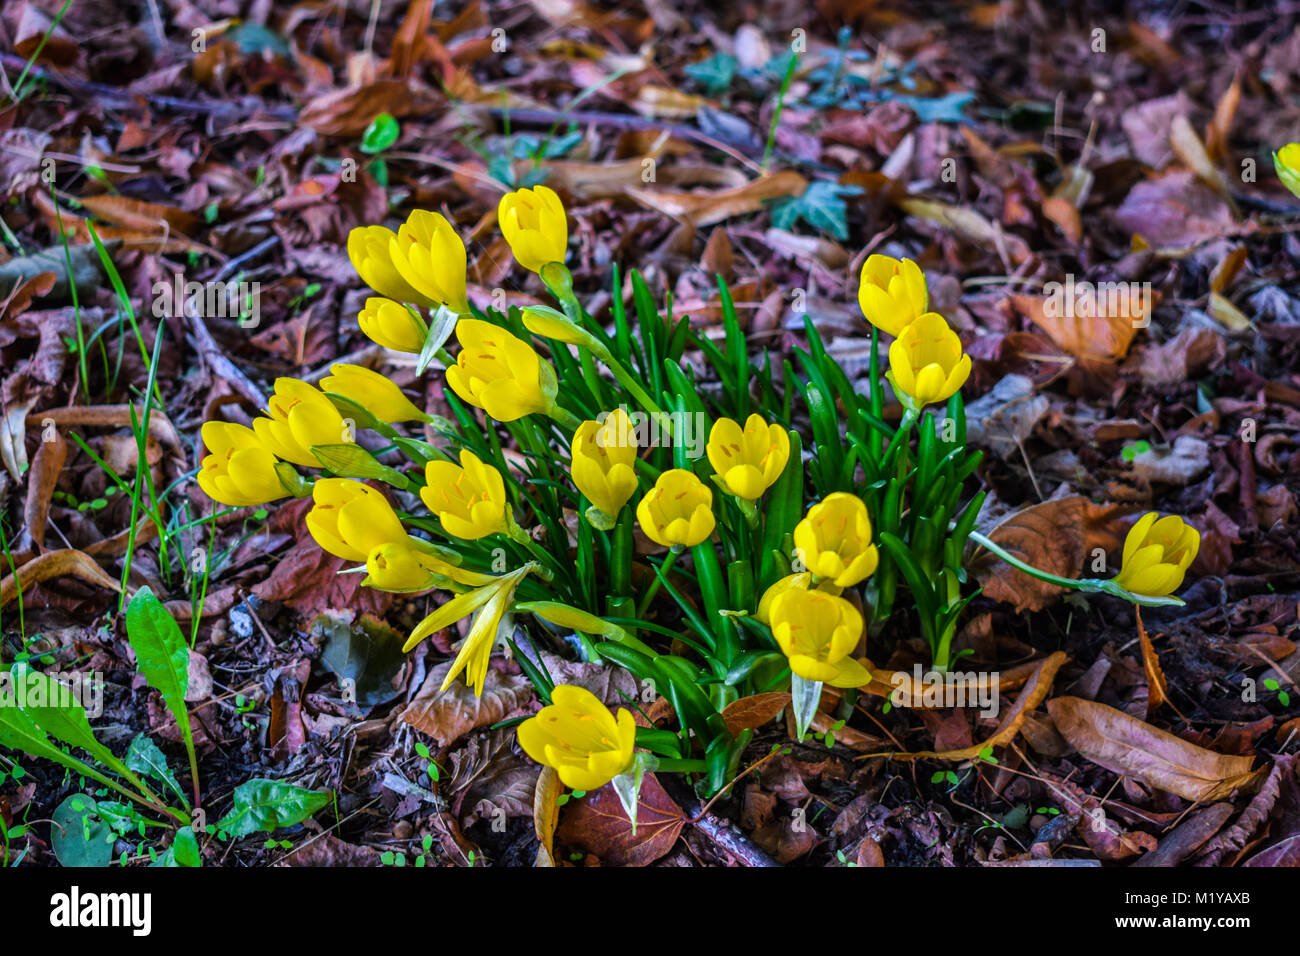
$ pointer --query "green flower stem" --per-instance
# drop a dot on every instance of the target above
(1095, 585)
(621, 549)
(564, 417)
(650, 593)
(522, 537)
(628, 381)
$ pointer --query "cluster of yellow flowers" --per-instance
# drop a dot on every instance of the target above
(423, 266)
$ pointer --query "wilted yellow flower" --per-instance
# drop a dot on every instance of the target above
(603, 458)
(300, 416)
(238, 470)
(499, 373)
(817, 632)
(748, 461)
(350, 519)
(1287, 163)
(369, 248)
(892, 293)
(469, 500)
(1157, 554)
(403, 568)
(678, 510)
(799, 581)
(377, 394)
(533, 222)
(429, 255)
(391, 325)
(834, 540)
(927, 361)
(492, 601)
(577, 735)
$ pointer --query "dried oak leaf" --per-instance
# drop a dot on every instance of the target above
(448, 715)
(1125, 745)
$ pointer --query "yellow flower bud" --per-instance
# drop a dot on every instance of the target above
(1287, 163)
(748, 462)
(376, 393)
(239, 470)
(469, 500)
(927, 361)
(391, 325)
(678, 510)
(603, 461)
(799, 581)
(405, 568)
(369, 248)
(429, 255)
(817, 632)
(892, 293)
(499, 373)
(300, 416)
(578, 736)
(1157, 554)
(552, 325)
(533, 222)
(350, 519)
(834, 540)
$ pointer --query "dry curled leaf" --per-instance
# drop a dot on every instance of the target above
(750, 713)
(598, 824)
(54, 564)
(1125, 745)
(448, 715)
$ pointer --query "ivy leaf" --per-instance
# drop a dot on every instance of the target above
(821, 206)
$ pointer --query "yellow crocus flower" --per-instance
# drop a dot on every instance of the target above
(892, 293)
(677, 511)
(469, 500)
(403, 568)
(748, 461)
(391, 325)
(430, 257)
(603, 460)
(799, 581)
(817, 632)
(534, 224)
(926, 361)
(1157, 553)
(1286, 161)
(834, 540)
(578, 736)
(350, 519)
(369, 248)
(492, 601)
(238, 470)
(377, 394)
(299, 416)
(500, 373)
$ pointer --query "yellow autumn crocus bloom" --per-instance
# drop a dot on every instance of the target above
(430, 257)
(677, 511)
(469, 499)
(603, 458)
(369, 248)
(500, 373)
(238, 469)
(533, 222)
(799, 581)
(403, 568)
(1157, 553)
(350, 519)
(927, 363)
(834, 540)
(299, 416)
(817, 632)
(491, 601)
(892, 293)
(578, 736)
(377, 394)
(1287, 163)
(748, 461)
(391, 325)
